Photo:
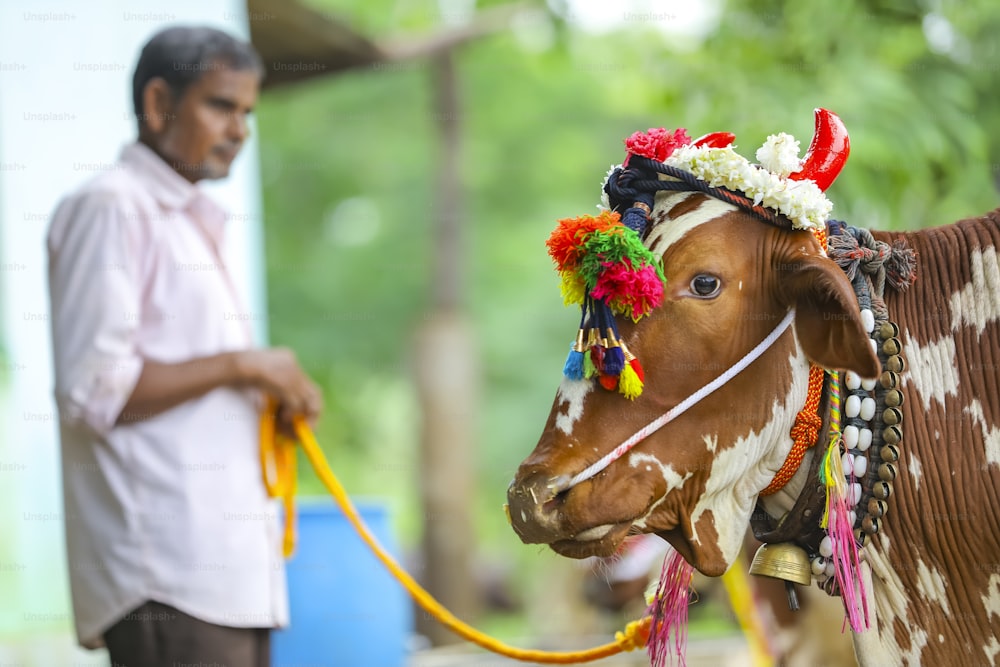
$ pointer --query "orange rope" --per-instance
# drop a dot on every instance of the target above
(808, 422)
(804, 432)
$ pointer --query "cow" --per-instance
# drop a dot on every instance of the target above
(931, 563)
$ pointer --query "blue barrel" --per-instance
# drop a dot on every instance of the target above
(346, 609)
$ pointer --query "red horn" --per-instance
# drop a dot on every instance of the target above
(827, 153)
(715, 140)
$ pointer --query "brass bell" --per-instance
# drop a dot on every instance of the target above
(889, 453)
(892, 416)
(783, 560)
(891, 347)
(888, 330)
(895, 363)
(887, 472)
(889, 380)
(894, 398)
(877, 508)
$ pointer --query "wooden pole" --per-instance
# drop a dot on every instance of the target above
(447, 379)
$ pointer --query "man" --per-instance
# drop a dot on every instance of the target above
(173, 545)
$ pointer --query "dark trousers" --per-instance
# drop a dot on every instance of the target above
(157, 635)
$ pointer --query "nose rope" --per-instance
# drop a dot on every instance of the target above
(682, 407)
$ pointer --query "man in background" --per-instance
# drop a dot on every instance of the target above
(173, 545)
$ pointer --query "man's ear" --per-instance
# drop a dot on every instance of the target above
(157, 104)
(827, 320)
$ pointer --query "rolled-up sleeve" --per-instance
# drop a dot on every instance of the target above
(95, 297)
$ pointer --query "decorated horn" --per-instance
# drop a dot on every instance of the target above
(827, 152)
(715, 140)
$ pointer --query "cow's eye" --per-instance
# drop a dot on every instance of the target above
(705, 285)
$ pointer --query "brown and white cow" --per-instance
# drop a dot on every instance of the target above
(933, 570)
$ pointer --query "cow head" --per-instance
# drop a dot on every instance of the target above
(730, 279)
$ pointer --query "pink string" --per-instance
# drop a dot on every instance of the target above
(669, 611)
(846, 564)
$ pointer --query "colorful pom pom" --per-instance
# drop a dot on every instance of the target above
(629, 384)
(589, 368)
(609, 382)
(605, 268)
(614, 361)
(573, 369)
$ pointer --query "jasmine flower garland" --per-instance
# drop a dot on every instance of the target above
(800, 201)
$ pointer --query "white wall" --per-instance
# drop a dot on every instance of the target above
(65, 112)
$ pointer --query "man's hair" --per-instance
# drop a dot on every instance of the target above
(181, 55)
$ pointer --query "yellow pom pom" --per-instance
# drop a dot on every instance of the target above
(629, 383)
(572, 288)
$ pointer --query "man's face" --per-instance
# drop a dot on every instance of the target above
(202, 132)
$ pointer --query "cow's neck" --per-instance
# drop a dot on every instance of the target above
(936, 563)
(780, 503)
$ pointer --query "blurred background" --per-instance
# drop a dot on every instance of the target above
(411, 158)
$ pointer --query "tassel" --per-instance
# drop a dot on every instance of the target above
(614, 360)
(629, 383)
(837, 522)
(609, 382)
(637, 367)
(632, 378)
(573, 369)
(589, 369)
(597, 356)
(669, 611)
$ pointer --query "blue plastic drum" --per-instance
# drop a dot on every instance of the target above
(346, 609)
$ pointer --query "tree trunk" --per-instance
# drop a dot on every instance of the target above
(446, 377)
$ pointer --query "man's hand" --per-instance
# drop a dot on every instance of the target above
(276, 371)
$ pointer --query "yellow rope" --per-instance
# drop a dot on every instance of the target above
(737, 584)
(278, 463)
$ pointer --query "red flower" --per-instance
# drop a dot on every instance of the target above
(656, 143)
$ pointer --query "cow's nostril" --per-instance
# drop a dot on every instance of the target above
(552, 505)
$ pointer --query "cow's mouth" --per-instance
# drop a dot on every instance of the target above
(599, 541)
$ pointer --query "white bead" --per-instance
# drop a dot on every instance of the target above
(826, 547)
(855, 497)
(851, 436)
(860, 466)
(852, 380)
(868, 385)
(864, 439)
(852, 407)
(847, 464)
(868, 320)
(867, 408)
(818, 565)
(829, 568)
(854, 517)
(874, 345)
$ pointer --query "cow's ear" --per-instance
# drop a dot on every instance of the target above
(827, 320)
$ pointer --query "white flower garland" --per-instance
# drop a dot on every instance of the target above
(800, 201)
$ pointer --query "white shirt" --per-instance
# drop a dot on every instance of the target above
(171, 507)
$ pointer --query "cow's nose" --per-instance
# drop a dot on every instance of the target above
(535, 507)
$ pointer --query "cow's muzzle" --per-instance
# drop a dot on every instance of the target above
(535, 503)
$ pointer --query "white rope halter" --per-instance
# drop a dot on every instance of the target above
(682, 407)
